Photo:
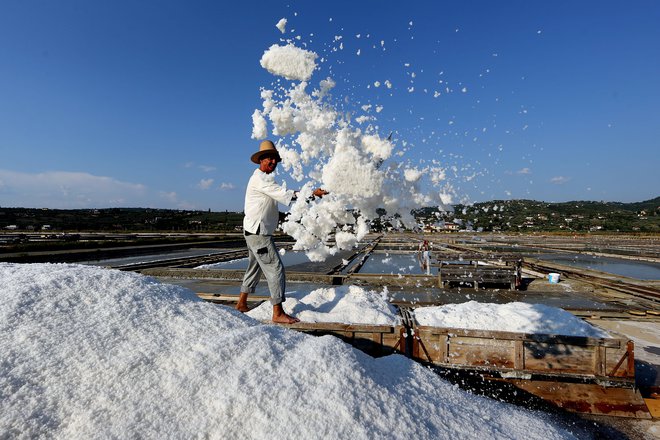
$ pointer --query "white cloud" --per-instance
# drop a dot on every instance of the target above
(169, 196)
(227, 186)
(205, 168)
(68, 190)
(205, 184)
(173, 199)
(559, 180)
(524, 171)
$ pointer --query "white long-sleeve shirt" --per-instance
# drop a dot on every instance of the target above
(261, 197)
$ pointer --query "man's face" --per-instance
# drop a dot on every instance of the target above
(268, 163)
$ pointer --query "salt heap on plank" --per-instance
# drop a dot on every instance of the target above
(512, 317)
(93, 353)
(345, 304)
(320, 145)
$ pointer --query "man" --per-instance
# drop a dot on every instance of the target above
(424, 256)
(261, 217)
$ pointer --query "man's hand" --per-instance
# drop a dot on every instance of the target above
(318, 192)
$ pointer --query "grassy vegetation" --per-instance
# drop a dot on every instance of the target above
(119, 219)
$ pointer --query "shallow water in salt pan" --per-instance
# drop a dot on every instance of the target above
(641, 270)
(150, 258)
(389, 263)
(288, 259)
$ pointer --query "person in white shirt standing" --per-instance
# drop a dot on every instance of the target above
(424, 256)
(261, 217)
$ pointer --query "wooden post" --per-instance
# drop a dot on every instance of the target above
(444, 348)
(630, 371)
(519, 355)
(599, 360)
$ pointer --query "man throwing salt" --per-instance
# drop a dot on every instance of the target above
(261, 217)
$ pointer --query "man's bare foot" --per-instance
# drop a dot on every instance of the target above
(285, 319)
(241, 305)
(280, 317)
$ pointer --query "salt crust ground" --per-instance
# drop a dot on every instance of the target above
(96, 353)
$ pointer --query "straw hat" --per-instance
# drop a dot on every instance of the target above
(265, 147)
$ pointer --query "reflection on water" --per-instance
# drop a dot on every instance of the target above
(288, 259)
(393, 264)
(641, 270)
(149, 258)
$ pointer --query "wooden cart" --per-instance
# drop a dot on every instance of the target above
(579, 374)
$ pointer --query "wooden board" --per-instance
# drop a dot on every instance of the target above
(375, 340)
(525, 353)
(589, 398)
(654, 407)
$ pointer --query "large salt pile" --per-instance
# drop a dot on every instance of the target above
(512, 317)
(95, 353)
(321, 146)
(346, 304)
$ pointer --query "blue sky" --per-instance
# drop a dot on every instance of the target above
(149, 103)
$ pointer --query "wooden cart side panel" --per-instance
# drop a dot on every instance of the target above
(536, 337)
(541, 353)
(561, 358)
(375, 340)
(435, 345)
(620, 362)
(481, 352)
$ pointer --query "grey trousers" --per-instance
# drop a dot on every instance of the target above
(263, 257)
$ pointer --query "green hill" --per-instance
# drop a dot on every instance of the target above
(532, 215)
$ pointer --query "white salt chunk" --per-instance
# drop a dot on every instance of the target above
(289, 62)
(281, 25)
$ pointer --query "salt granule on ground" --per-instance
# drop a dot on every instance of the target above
(512, 317)
(93, 353)
(345, 304)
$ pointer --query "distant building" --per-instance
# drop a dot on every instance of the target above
(441, 227)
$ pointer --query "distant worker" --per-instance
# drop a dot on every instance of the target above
(424, 256)
(261, 217)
